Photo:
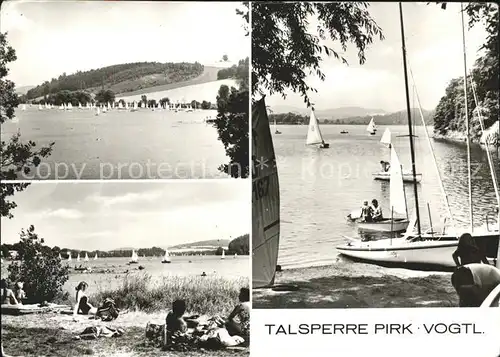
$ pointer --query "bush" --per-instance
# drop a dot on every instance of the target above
(39, 267)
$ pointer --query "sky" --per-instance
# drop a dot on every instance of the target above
(434, 52)
(104, 216)
(52, 37)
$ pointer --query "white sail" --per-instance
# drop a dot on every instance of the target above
(371, 126)
(98, 111)
(223, 254)
(95, 258)
(265, 201)
(397, 193)
(69, 256)
(386, 137)
(166, 257)
(313, 134)
(86, 257)
(60, 256)
(134, 258)
(79, 105)
(23, 107)
(78, 257)
(40, 107)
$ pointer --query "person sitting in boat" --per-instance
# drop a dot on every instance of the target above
(376, 211)
(366, 212)
(19, 292)
(468, 252)
(82, 305)
(238, 322)
(386, 166)
(474, 282)
(175, 318)
(7, 295)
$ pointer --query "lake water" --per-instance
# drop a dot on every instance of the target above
(318, 188)
(230, 268)
(121, 144)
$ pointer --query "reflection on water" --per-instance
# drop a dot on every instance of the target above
(121, 144)
(319, 188)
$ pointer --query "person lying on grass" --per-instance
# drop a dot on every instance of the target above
(474, 282)
(238, 322)
(82, 305)
(7, 295)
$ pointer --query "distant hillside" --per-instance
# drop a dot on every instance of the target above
(125, 78)
(332, 113)
(396, 118)
(214, 243)
(23, 90)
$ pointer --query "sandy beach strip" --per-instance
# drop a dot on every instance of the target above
(358, 285)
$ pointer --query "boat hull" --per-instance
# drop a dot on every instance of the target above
(401, 252)
(397, 225)
(386, 176)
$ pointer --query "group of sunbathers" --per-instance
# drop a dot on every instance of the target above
(14, 296)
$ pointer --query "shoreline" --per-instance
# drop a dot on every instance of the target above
(358, 285)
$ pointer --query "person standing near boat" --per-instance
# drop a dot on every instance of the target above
(386, 166)
(468, 252)
(474, 282)
(376, 211)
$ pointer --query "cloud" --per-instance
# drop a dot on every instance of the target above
(130, 197)
(64, 213)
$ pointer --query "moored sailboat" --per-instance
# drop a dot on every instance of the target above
(134, 259)
(276, 131)
(371, 128)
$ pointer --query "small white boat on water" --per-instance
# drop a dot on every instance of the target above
(314, 136)
(166, 258)
(397, 203)
(69, 256)
(23, 107)
(385, 175)
(86, 257)
(276, 131)
(78, 257)
(95, 258)
(134, 107)
(40, 107)
(371, 128)
(98, 111)
(134, 259)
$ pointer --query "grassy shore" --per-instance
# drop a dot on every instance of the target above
(146, 298)
(348, 285)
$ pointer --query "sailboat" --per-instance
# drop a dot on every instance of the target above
(69, 256)
(78, 257)
(166, 258)
(23, 107)
(98, 111)
(134, 259)
(60, 256)
(276, 131)
(223, 254)
(265, 203)
(95, 258)
(235, 255)
(40, 107)
(371, 127)
(398, 202)
(314, 136)
(420, 249)
(385, 175)
(86, 257)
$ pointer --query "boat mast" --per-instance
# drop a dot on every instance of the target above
(410, 128)
(469, 171)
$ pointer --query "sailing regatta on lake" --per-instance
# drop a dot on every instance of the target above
(113, 113)
(399, 196)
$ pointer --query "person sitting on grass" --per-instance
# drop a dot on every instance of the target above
(474, 282)
(175, 320)
(82, 305)
(7, 295)
(238, 322)
(468, 252)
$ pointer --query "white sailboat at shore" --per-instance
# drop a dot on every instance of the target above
(265, 203)
(422, 249)
(314, 136)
